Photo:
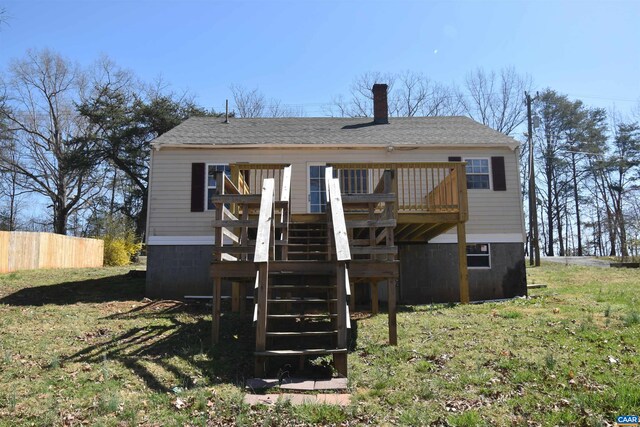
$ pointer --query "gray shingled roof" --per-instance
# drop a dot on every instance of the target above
(211, 131)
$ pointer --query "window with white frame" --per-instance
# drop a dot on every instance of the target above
(478, 255)
(317, 190)
(478, 174)
(211, 183)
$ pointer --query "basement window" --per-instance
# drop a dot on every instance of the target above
(211, 184)
(478, 174)
(478, 255)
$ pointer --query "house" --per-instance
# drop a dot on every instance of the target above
(410, 189)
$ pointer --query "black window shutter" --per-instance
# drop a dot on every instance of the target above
(197, 187)
(497, 170)
(455, 159)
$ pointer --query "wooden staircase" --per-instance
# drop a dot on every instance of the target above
(302, 315)
(308, 241)
(301, 269)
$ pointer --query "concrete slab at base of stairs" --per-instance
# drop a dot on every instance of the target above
(298, 399)
(299, 384)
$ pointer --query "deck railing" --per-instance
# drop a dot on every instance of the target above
(432, 187)
(249, 177)
(236, 218)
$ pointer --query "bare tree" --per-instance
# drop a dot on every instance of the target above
(495, 99)
(409, 94)
(414, 94)
(360, 100)
(248, 103)
(11, 190)
(253, 103)
(3, 16)
(54, 153)
(124, 115)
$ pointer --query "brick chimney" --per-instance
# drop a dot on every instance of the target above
(380, 107)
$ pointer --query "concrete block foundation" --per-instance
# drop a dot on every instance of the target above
(428, 273)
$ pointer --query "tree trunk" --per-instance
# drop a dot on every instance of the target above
(545, 246)
(599, 222)
(613, 235)
(575, 198)
(60, 220)
(141, 219)
(558, 210)
(549, 174)
(624, 251)
(112, 202)
(12, 203)
(60, 211)
(560, 235)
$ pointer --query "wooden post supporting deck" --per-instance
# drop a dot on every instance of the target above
(340, 360)
(393, 325)
(217, 282)
(261, 259)
(261, 321)
(235, 297)
(462, 264)
(215, 330)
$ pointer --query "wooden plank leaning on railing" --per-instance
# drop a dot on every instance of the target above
(342, 253)
(372, 239)
(261, 259)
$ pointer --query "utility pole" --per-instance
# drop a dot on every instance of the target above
(534, 252)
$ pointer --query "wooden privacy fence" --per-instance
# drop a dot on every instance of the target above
(23, 250)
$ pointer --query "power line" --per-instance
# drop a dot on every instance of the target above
(449, 97)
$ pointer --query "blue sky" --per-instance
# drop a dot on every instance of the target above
(305, 52)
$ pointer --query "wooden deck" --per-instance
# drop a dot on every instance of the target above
(303, 267)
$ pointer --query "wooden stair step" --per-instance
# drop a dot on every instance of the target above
(304, 352)
(307, 245)
(301, 334)
(302, 267)
(306, 300)
(300, 287)
(302, 316)
(307, 252)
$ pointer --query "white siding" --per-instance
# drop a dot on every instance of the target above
(490, 211)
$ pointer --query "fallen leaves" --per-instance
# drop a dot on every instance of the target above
(179, 403)
(93, 335)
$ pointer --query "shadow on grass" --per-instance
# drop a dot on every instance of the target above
(112, 288)
(169, 353)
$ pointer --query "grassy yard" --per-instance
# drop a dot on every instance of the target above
(84, 347)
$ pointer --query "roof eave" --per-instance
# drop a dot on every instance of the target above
(511, 145)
